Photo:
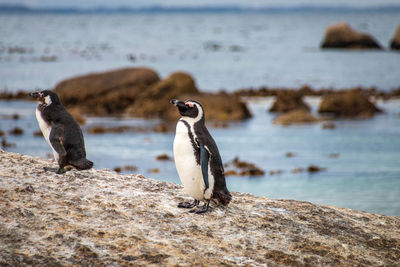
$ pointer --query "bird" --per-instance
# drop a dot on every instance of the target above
(61, 131)
(197, 159)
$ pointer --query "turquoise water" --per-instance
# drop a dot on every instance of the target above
(252, 50)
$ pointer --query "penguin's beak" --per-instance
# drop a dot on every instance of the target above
(37, 95)
(34, 94)
(179, 104)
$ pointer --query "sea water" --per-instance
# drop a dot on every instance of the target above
(226, 51)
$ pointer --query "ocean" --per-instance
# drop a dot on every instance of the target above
(361, 158)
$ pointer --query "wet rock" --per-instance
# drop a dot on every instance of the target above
(288, 100)
(81, 119)
(164, 157)
(341, 35)
(139, 92)
(237, 167)
(297, 170)
(290, 154)
(154, 101)
(296, 117)
(161, 128)
(98, 129)
(16, 131)
(5, 144)
(333, 155)
(313, 168)
(348, 104)
(395, 42)
(101, 218)
(105, 93)
(328, 125)
(1, 133)
(38, 134)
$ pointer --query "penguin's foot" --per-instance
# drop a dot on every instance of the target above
(188, 205)
(61, 171)
(202, 209)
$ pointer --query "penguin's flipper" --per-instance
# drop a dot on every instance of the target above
(204, 157)
(56, 140)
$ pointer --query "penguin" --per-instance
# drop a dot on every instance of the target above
(197, 159)
(61, 131)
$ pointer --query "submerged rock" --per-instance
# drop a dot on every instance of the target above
(296, 117)
(395, 42)
(341, 35)
(101, 218)
(348, 104)
(237, 167)
(288, 100)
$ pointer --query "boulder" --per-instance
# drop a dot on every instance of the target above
(348, 104)
(341, 35)
(395, 42)
(139, 92)
(296, 117)
(102, 218)
(155, 100)
(288, 100)
(105, 93)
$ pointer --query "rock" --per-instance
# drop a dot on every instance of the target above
(155, 100)
(290, 154)
(101, 218)
(236, 167)
(164, 157)
(288, 100)
(341, 35)
(313, 168)
(98, 129)
(395, 42)
(16, 131)
(139, 92)
(105, 93)
(296, 117)
(328, 125)
(348, 104)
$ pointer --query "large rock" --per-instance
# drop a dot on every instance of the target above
(296, 117)
(155, 100)
(341, 35)
(288, 100)
(101, 218)
(348, 104)
(395, 42)
(105, 93)
(139, 92)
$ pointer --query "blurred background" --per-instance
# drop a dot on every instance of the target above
(263, 58)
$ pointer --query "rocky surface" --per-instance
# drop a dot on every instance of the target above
(341, 35)
(296, 117)
(395, 42)
(288, 100)
(99, 217)
(139, 92)
(348, 104)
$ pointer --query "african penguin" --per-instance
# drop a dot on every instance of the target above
(61, 132)
(197, 158)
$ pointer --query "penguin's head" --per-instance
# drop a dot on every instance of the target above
(46, 97)
(189, 108)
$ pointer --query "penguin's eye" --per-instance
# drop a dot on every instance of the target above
(189, 104)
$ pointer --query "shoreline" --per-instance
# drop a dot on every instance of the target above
(101, 217)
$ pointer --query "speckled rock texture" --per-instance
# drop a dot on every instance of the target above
(101, 218)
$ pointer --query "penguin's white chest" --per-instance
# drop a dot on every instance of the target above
(185, 160)
(45, 128)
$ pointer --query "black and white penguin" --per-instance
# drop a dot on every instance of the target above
(197, 158)
(61, 132)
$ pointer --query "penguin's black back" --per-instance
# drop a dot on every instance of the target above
(221, 192)
(72, 137)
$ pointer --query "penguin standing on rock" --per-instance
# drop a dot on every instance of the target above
(61, 132)
(197, 159)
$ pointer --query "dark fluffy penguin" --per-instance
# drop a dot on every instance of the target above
(61, 132)
(197, 158)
